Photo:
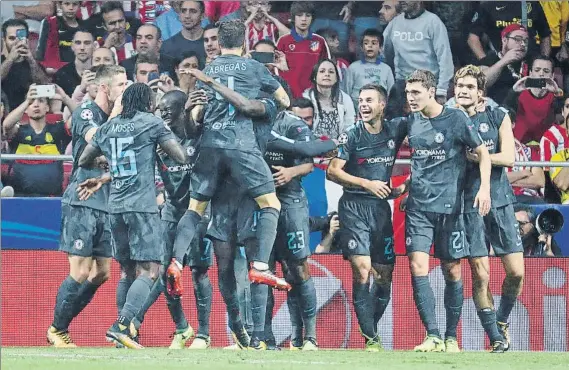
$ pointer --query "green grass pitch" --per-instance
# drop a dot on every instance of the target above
(163, 359)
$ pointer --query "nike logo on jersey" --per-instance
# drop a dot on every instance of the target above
(499, 8)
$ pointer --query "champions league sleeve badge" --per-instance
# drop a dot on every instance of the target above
(87, 114)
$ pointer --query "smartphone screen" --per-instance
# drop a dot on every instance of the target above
(263, 57)
(21, 34)
(153, 76)
(538, 83)
(45, 91)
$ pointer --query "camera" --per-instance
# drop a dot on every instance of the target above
(548, 222)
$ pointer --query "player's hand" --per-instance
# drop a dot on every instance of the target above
(87, 78)
(283, 175)
(378, 188)
(197, 97)
(472, 157)
(482, 201)
(165, 83)
(88, 187)
(18, 50)
(199, 75)
(334, 225)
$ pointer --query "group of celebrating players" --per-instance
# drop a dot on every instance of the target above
(214, 151)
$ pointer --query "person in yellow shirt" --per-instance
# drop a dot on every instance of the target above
(560, 181)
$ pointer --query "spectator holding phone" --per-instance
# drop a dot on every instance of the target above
(534, 100)
(18, 68)
(37, 137)
(69, 76)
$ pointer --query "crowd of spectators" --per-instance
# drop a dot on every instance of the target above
(323, 52)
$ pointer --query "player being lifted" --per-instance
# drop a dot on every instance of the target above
(499, 227)
(129, 141)
(229, 148)
(365, 160)
(176, 180)
(228, 206)
(439, 137)
(85, 229)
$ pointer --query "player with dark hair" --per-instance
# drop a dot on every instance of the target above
(85, 228)
(129, 141)
(439, 138)
(365, 160)
(176, 180)
(499, 227)
(230, 147)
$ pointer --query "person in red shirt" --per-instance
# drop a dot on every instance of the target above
(534, 107)
(302, 48)
(261, 25)
(222, 10)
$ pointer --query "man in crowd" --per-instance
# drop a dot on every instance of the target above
(407, 48)
(554, 141)
(18, 68)
(148, 42)
(211, 43)
(86, 233)
(69, 76)
(504, 68)
(439, 138)
(366, 156)
(130, 142)
(191, 36)
(117, 38)
(534, 107)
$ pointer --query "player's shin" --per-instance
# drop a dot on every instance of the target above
(157, 289)
(266, 233)
(65, 301)
(453, 301)
(381, 295)
(203, 295)
(185, 233)
(292, 300)
(225, 257)
(307, 297)
(425, 302)
(259, 295)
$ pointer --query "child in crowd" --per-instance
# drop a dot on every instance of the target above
(261, 25)
(370, 69)
(333, 41)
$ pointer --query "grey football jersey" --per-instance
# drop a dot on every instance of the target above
(488, 125)
(224, 126)
(130, 145)
(289, 126)
(371, 156)
(438, 160)
(89, 115)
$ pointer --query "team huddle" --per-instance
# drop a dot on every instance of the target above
(221, 153)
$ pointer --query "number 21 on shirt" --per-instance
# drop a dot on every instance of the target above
(123, 160)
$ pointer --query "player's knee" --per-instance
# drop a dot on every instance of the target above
(515, 277)
(128, 270)
(419, 264)
(382, 274)
(297, 272)
(150, 270)
(451, 270)
(480, 273)
(361, 270)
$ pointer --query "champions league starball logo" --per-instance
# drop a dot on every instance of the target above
(483, 127)
(87, 114)
(343, 138)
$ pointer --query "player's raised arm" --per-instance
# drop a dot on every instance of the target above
(301, 148)
(250, 108)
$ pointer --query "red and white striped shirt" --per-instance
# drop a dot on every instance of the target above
(268, 32)
(554, 140)
(126, 51)
(524, 153)
(342, 65)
